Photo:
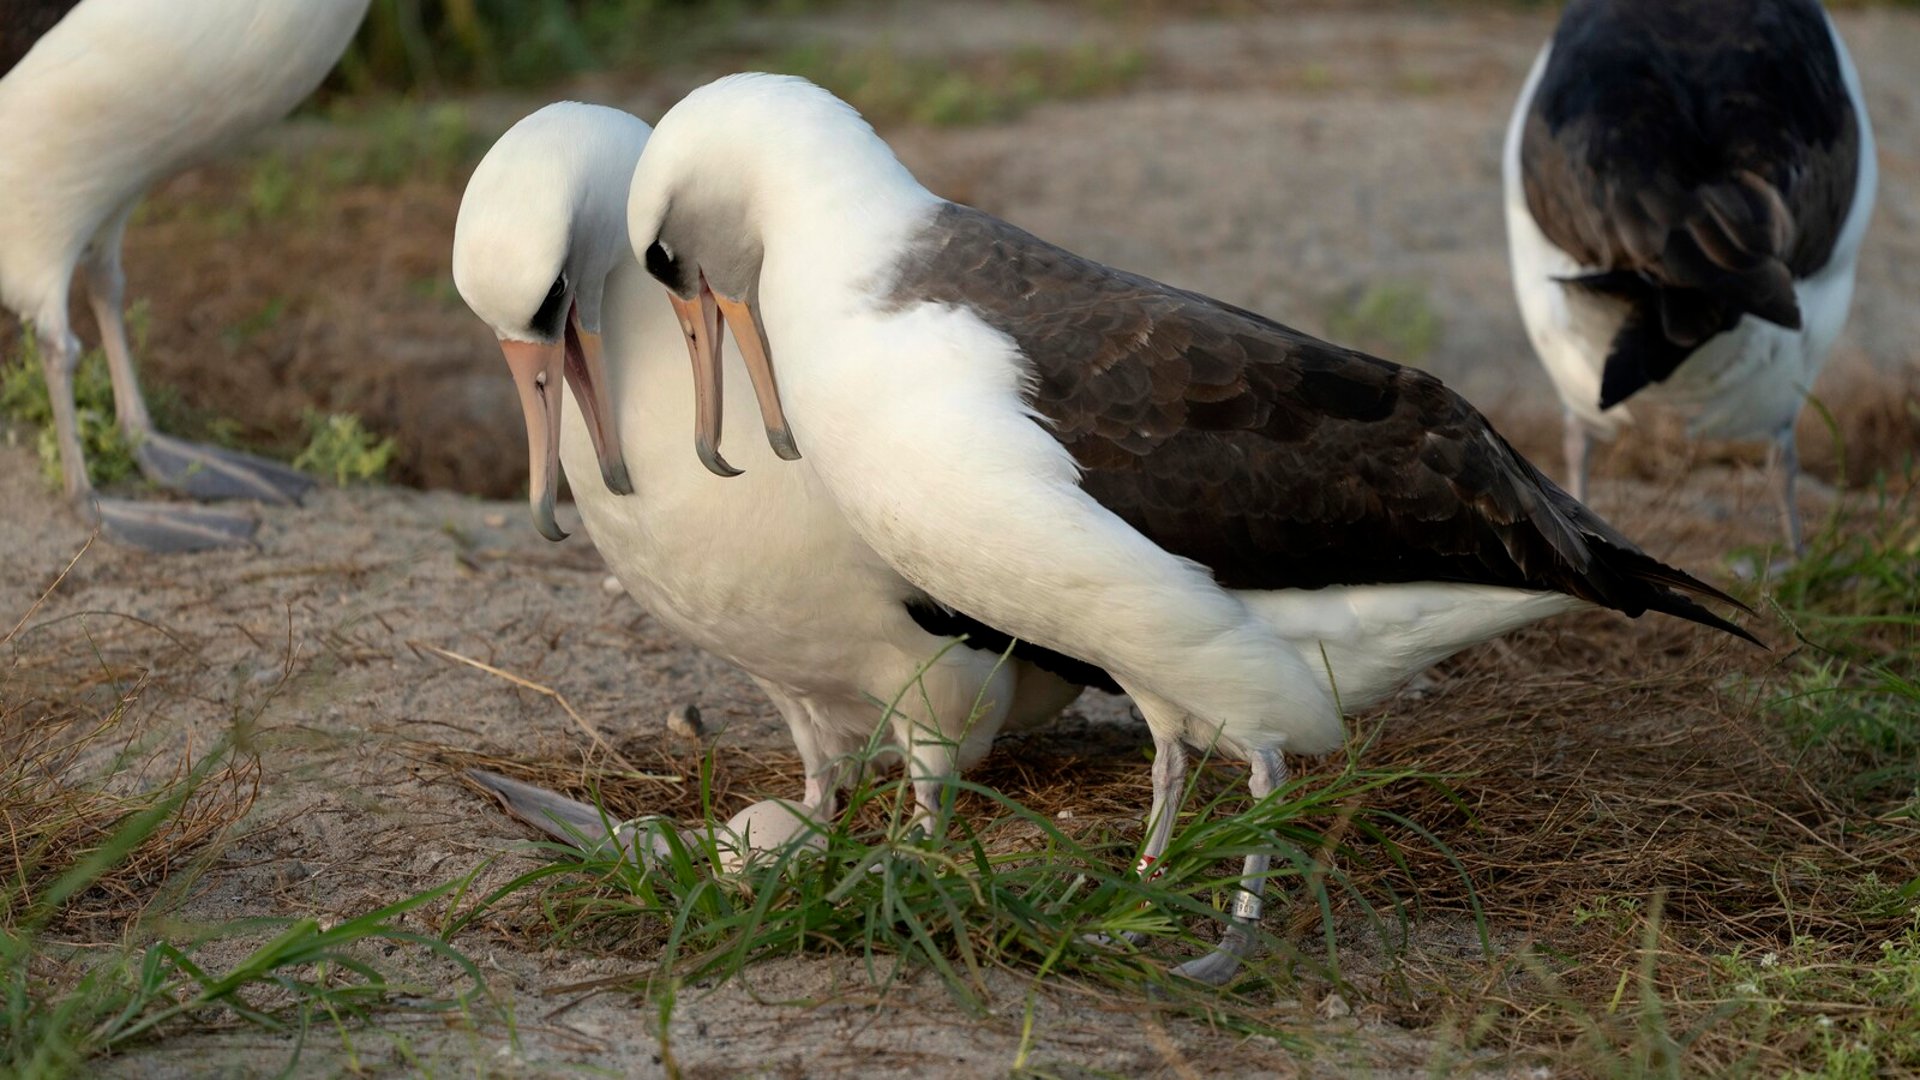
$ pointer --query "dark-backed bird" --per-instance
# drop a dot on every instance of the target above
(99, 100)
(762, 571)
(1247, 528)
(1687, 186)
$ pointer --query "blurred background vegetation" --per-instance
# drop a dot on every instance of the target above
(433, 45)
(439, 44)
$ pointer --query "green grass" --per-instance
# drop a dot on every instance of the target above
(1853, 603)
(386, 142)
(339, 448)
(410, 45)
(1390, 319)
(63, 1003)
(24, 400)
(1845, 1007)
(966, 902)
(889, 86)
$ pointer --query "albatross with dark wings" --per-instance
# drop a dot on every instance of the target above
(1247, 528)
(1688, 183)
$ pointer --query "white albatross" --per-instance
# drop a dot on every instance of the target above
(1687, 186)
(1193, 498)
(763, 570)
(100, 99)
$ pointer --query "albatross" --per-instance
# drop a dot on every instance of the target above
(1687, 185)
(1248, 529)
(762, 571)
(100, 99)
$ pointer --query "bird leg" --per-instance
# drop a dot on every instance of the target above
(59, 356)
(1169, 783)
(1577, 443)
(1215, 968)
(1784, 459)
(932, 761)
(200, 472)
(152, 527)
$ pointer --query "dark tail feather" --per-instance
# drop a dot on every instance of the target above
(1645, 350)
(1670, 590)
(1642, 354)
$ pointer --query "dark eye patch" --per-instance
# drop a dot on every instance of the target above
(661, 265)
(546, 321)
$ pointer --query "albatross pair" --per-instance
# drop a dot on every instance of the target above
(1244, 528)
(762, 570)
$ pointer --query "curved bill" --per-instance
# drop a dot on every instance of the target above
(587, 374)
(538, 370)
(700, 322)
(745, 324)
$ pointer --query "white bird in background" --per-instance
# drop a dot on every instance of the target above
(762, 570)
(1248, 528)
(1687, 185)
(99, 100)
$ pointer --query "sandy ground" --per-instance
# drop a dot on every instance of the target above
(1283, 161)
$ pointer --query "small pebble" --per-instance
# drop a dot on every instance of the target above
(611, 585)
(1064, 815)
(495, 521)
(684, 721)
(1333, 1007)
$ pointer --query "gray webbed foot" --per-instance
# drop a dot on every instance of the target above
(570, 821)
(168, 528)
(1215, 968)
(209, 472)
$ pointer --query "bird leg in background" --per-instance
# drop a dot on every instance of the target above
(200, 472)
(1577, 443)
(1215, 968)
(1784, 458)
(59, 355)
(156, 527)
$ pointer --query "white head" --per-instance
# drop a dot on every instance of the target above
(734, 167)
(541, 226)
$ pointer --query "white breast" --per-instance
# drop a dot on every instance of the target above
(760, 569)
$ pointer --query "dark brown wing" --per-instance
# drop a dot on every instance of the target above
(1702, 155)
(1274, 459)
(24, 22)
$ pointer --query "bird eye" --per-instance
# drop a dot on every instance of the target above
(546, 321)
(660, 263)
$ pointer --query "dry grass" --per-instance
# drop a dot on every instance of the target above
(75, 767)
(1625, 803)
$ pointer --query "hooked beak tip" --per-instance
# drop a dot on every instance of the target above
(616, 478)
(710, 457)
(784, 447)
(549, 528)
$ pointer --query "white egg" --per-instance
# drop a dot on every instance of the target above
(768, 826)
